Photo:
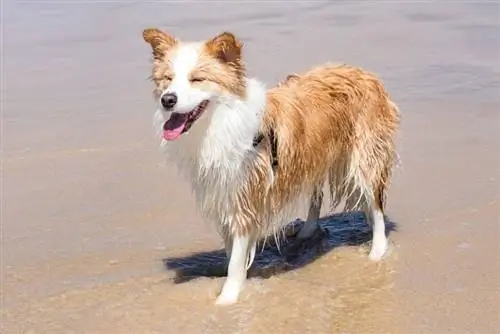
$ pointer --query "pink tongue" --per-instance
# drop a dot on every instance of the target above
(173, 128)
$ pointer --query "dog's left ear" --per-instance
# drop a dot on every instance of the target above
(226, 48)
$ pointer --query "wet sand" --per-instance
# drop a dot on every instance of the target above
(99, 235)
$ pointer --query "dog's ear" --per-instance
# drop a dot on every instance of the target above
(226, 48)
(160, 41)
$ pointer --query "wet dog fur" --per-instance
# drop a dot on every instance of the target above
(332, 125)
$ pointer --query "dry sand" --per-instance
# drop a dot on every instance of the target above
(92, 219)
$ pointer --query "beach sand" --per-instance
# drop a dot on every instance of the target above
(100, 235)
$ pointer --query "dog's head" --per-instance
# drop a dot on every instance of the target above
(189, 76)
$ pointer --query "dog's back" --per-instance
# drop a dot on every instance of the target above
(333, 123)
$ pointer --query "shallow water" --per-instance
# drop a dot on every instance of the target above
(100, 236)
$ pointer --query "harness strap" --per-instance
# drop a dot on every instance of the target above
(274, 146)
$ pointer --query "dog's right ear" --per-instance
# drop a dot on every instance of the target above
(160, 41)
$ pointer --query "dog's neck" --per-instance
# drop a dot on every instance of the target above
(219, 144)
(233, 125)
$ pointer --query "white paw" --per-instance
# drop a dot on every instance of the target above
(226, 299)
(229, 294)
(378, 250)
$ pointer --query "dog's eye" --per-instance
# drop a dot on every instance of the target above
(168, 78)
(198, 79)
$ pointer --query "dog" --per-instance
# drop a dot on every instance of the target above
(256, 156)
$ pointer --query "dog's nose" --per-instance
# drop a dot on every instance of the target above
(169, 100)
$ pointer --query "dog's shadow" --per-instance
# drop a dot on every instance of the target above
(342, 229)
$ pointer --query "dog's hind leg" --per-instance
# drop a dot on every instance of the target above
(241, 249)
(310, 236)
(228, 243)
(374, 215)
(312, 223)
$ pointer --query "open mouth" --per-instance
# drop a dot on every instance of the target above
(177, 124)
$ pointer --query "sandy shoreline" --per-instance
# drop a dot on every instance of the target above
(91, 214)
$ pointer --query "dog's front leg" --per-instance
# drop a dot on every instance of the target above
(237, 270)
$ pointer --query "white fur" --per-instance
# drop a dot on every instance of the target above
(184, 61)
(221, 139)
(217, 154)
(375, 218)
(236, 272)
(222, 136)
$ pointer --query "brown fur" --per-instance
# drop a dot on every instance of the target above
(332, 123)
(160, 41)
